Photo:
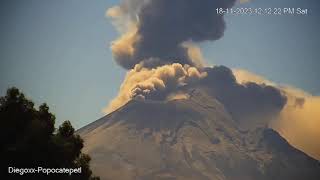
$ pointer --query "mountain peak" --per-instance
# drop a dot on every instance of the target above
(193, 138)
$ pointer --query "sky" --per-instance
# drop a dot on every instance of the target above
(58, 51)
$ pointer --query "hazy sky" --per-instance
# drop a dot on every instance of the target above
(58, 51)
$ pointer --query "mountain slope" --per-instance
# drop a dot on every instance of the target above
(193, 138)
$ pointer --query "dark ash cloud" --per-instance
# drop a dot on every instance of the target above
(164, 25)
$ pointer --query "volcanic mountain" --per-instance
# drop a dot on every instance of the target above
(200, 137)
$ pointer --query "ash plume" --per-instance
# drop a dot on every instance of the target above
(156, 83)
(158, 44)
(158, 29)
(161, 36)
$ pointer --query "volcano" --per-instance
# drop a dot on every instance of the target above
(193, 138)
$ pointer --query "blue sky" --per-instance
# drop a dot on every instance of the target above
(58, 51)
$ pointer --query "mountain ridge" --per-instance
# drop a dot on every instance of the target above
(194, 138)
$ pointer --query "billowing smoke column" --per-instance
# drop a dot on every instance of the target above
(158, 44)
(157, 32)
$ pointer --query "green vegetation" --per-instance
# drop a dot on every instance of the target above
(28, 139)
